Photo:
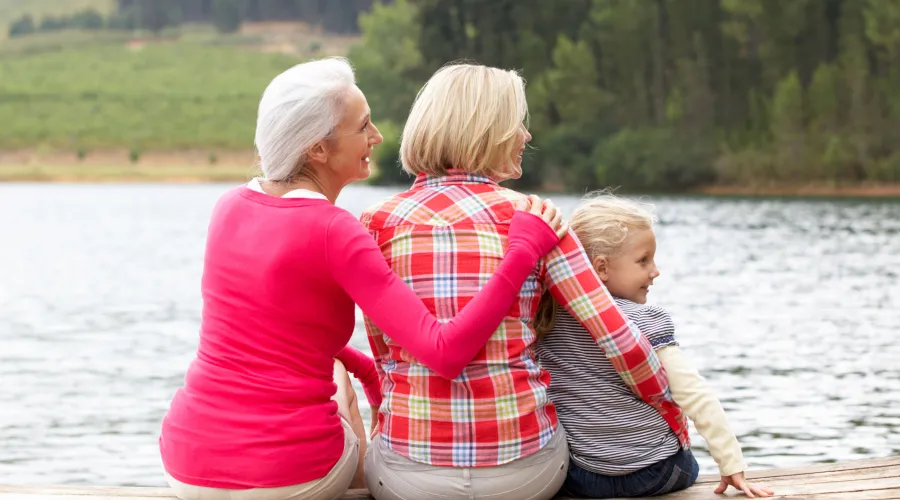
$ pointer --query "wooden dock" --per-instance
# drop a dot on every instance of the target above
(875, 479)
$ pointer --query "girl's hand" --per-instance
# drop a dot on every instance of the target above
(738, 481)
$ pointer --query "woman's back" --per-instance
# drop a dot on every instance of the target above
(445, 237)
(256, 408)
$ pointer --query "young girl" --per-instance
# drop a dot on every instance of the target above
(620, 446)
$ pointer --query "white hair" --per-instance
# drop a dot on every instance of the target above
(299, 108)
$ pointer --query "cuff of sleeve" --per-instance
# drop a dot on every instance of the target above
(731, 468)
(373, 395)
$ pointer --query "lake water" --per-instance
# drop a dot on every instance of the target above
(791, 309)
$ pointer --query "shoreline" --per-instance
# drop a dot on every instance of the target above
(858, 190)
(202, 166)
(891, 191)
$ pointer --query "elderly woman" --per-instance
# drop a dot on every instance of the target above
(489, 431)
(264, 410)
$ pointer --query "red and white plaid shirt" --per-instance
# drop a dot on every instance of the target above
(445, 237)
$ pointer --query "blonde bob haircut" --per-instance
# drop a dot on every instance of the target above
(466, 117)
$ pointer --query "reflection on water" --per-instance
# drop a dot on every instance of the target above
(788, 307)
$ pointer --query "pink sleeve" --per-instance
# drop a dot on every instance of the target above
(363, 368)
(360, 268)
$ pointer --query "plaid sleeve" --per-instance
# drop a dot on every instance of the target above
(571, 280)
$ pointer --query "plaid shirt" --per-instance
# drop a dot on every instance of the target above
(445, 237)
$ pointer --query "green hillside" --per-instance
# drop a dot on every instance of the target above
(162, 95)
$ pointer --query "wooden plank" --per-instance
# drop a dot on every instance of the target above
(95, 491)
(813, 469)
(856, 495)
(707, 494)
(834, 477)
(874, 479)
(53, 496)
(10, 492)
(788, 489)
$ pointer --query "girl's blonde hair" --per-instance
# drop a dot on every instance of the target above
(466, 117)
(601, 222)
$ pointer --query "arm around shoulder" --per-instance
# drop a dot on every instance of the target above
(359, 267)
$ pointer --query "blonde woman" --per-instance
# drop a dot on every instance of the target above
(488, 429)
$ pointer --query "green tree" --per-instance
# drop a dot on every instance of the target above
(389, 69)
(21, 27)
(226, 15)
(882, 28)
(650, 159)
(53, 23)
(572, 83)
(122, 20)
(154, 15)
(88, 19)
(568, 106)
(823, 100)
(621, 33)
(787, 127)
(824, 122)
(854, 66)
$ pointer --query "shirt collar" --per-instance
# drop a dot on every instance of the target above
(296, 193)
(452, 177)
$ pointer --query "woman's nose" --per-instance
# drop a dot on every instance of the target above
(377, 138)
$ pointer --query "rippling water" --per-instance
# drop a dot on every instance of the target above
(790, 308)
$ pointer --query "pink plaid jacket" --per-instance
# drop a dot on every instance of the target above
(444, 237)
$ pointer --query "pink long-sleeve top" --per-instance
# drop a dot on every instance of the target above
(280, 279)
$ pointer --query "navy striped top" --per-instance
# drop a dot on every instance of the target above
(610, 430)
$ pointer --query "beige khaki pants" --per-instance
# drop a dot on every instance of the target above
(329, 487)
(390, 476)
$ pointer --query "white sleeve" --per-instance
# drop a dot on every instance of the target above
(691, 391)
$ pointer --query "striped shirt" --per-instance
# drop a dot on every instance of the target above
(445, 237)
(610, 430)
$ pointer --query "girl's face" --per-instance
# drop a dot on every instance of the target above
(630, 274)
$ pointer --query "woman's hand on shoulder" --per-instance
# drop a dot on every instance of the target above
(546, 210)
(737, 481)
(536, 228)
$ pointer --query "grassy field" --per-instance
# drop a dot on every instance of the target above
(189, 88)
(123, 106)
(11, 10)
(161, 95)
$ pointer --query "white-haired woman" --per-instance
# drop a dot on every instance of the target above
(490, 431)
(264, 410)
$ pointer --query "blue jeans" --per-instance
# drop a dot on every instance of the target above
(672, 474)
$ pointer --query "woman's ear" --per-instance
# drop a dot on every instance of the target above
(318, 152)
(601, 265)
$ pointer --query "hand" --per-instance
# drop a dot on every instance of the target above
(546, 210)
(738, 481)
(535, 229)
(373, 427)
